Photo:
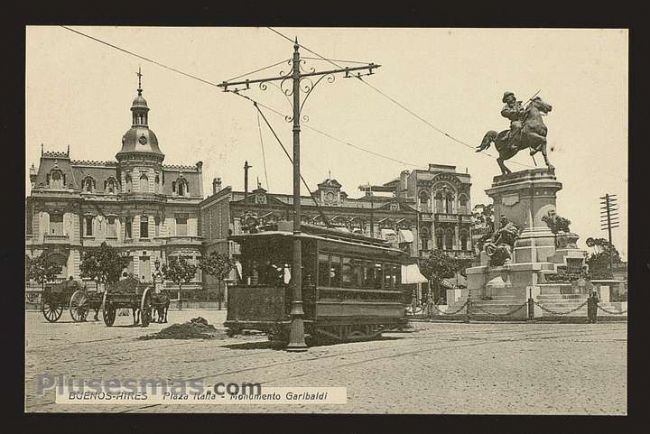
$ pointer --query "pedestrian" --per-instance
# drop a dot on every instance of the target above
(592, 307)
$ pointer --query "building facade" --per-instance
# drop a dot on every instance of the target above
(228, 212)
(148, 210)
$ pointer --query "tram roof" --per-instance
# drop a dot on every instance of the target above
(332, 236)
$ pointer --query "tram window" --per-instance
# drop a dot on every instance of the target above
(398, 276)
(378, 275)
(335, 271)
(323, 270)
(388, 276)
(357, 273)
(351, 273)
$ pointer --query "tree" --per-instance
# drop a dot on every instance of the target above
(179, 271)
(604, 255)
(102, 264)
(217, 265)
(41, 269)
(436, 267)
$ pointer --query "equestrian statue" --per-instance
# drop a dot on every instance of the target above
(527, 130)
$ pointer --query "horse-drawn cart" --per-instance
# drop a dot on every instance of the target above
(132, 294)
(70, 294)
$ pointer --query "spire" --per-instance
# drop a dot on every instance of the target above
(139, 74)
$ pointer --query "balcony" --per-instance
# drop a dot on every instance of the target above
(59, 239)
(447, 218)
(455, 253)
(183, 240)
(426, 217)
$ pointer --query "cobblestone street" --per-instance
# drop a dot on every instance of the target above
(503, 368)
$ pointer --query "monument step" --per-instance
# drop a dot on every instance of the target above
(562, 297)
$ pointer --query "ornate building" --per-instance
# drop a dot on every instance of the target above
(146, 209)
(441, 196)
(233, 212)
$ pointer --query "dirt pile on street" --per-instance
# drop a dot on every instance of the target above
(196, 328)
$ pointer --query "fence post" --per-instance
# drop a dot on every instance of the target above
(468, 311)
(531, 309)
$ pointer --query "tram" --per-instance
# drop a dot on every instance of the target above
(351, 287)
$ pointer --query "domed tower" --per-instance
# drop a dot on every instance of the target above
(140, 158)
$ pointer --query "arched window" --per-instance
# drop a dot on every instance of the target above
(88, 184)
(424, 201)
(55, 179)
(439, 236)
(424, 238)
(144, 184)
(449, 239)
(110, 186)
(449, 203)
(157, 182)
(129, 183)
(464, 236)
(439, 204)
(462, 204)
(181, 187)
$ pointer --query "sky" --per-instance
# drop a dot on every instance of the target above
(79, 91)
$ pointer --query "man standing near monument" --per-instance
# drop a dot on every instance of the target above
(592, 307)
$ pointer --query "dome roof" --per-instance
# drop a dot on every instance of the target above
(140, 139)
(139, 102)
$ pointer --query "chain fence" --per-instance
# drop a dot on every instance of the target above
(623, 312)
(448, 313)
(511, 312)
(545, 309)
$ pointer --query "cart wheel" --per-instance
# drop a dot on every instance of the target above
(145, 308)
(79, 306)
(108, 312)
(51, 311)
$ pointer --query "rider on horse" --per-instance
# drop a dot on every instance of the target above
(515, 112)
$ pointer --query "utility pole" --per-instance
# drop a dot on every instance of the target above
(297, 331)
(609, 221)
(246, 167)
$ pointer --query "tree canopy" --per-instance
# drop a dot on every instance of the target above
(217, 265)
(179, 270)
(41, 268)
(103, 264)
(599, 261)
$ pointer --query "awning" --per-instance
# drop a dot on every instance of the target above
(411, 274)
(405, 236)
(388, 234)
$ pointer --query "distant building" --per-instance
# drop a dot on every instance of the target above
(228, 212)
(146, 209)
(418, 212)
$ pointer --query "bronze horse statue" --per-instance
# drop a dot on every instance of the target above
(532, 135)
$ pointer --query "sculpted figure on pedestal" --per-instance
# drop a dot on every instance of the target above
(499, 247)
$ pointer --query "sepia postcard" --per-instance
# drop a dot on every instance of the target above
(326, 220)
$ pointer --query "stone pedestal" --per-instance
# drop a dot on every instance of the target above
(524, 198)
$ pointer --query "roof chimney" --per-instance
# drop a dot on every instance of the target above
(216, 185)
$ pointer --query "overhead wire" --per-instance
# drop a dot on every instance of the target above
(277, 112)
(266, 173)
(318, 207)
(393, 100)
